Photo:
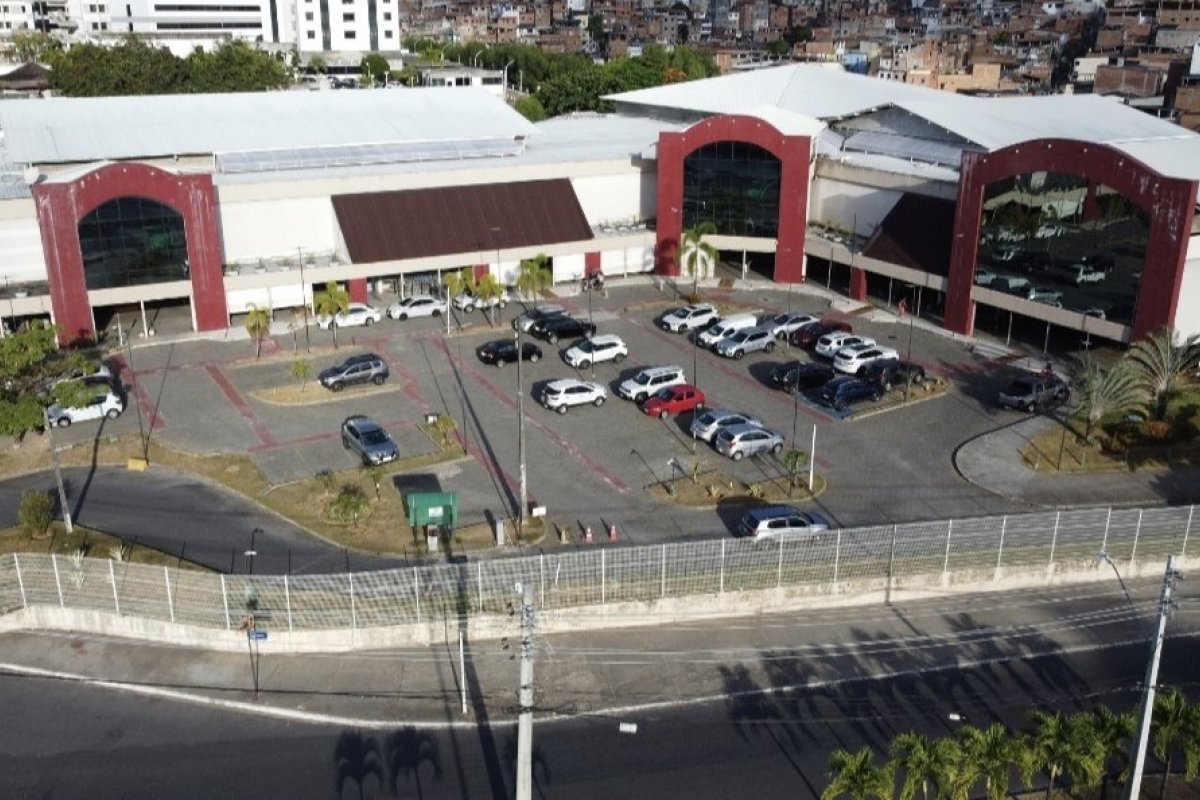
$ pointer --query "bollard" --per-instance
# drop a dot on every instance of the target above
(587, 534)
(562, 535)
(612, 532)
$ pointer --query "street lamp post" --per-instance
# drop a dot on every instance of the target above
(506, 66)
(521, 436)
(304, 299)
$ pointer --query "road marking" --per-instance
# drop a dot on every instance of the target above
(238, 402)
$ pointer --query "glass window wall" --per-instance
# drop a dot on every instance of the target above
(733, 185)
(132, 241)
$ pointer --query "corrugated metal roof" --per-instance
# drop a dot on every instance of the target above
(388, 226)
(66, 130)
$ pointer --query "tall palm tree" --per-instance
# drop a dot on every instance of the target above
(857, 776)
(331, 302)
(534, 275)
(1114, 732)
(1097, 392)
(1161, 361)
(458, 282)
(924, 762)
(1061, 746)
(1174, 729)
(258, 325)
(987, 754)
(697, 256)
(487, 288)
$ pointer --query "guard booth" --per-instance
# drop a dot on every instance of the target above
(433, 513)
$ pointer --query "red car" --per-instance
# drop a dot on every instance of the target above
(673, 400)
(807, 335)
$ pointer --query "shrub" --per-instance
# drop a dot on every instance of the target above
(1154, 431)
(350, 505)
(326, 478)
(35, 513)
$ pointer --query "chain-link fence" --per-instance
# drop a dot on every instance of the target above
(959, 551)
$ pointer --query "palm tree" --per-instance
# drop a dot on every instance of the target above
(1098, 392)
(924, 762)
(1161, 362)
(1059, 746)
(987, 753)
(1174, 728)
(487, 288)
(258, 325)
(458, 282)
(697, 256)
(535, 275)
(1114, 732)
(856, 775)
(331, 302)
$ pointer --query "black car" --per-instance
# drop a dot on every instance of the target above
(554, 328)
(355, 369)
(801, 375)
(504, 351)
(842, 392)
(889, 372)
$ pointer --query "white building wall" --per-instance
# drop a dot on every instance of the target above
(611, 199)
(1187, 315)
(850, 205)
(266, 228)
(568, 267)
(22, 259)
(628, 260)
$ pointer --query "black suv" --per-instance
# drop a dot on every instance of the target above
(841, 392)
(355, 369)
(554, 328)
(889, 372)
(801, 375)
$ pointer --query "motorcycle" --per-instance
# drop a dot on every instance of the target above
(592, 283)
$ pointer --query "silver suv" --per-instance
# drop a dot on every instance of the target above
(366, 438)
(747, 341)
(355, 369)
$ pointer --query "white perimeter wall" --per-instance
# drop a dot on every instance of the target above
(850, 205)
(1187, 310)
(21, 257)
(266, 228)
(616, 198)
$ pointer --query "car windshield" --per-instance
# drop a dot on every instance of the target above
(665, 394)
(587, 346)
(374, 436)
(707, 418)
(1021, 386)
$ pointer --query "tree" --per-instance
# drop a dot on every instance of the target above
(318, 64)
(234, 66)
(534, 275)
(857, 776)
(1161, 362)
(793, 462)
(258, 325)
(130, 68)
(697, 256)
(530, 108)
(1097, 392)
(1113, 731)
(1062, 746)
(1175, 728)
(31, 365)
(302, 370)
(297, 321)
(374, 68)
(331, 302)
(923, 763)
(459, 281)
(25, 46)
(487, 289)
(987, 754)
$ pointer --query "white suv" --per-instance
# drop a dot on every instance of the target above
(689, 318)
(854, 358)
(106, 404)
(608, 347)
(561, 395)
(650, 380)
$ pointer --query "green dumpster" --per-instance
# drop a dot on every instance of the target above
(432, 508)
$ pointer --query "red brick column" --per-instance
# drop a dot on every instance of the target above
(357, 289)
(858, 284)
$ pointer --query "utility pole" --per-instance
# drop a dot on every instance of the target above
(1165, 604)
(525, 696)
(62, 492)
(521, 437)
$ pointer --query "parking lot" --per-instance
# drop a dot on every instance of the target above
(588, 466)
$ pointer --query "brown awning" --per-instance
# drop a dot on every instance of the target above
(390, 226)
(916, 233)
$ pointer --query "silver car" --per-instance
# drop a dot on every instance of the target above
(739, 441)
(369, 440)
(705, 426)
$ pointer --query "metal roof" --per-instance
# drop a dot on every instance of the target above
(68, 130)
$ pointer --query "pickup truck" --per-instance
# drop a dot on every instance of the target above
(1034, 391)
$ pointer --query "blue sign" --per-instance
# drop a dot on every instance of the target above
(257, 635)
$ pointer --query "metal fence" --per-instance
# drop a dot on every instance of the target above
(959, 551)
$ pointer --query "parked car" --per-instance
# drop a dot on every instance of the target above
(855, 358)
(984, 276)
(418, 305)
(355, 314)
(1013, 284)
(355, 369)
(499, 352)
(771, 521)
(526, 320)
(710, 336)
(689, 318)
(1047, 297)
(1082, 273)
(1034, 391)
(705, 426)
(746, 341)
(96, 373)
(807, 336)
(801, 375)
(673, 400)
(829, 344)
(889, 372)
(840, 393)
(554, 328)
(608, 347)
(368, 440)
(650, 380)
(467, 302)
(739, 441)
(561, 395)
(783, 325)
(103, 403)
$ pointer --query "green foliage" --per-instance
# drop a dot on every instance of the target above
(375, 472)
(460, 281)
(1062, 747)
(530, 108)
(778, 47)
(535, 274)
(30, 360)
(1176, 729)
(327, 480)
(1097, 392)
(857, 776)
(924, 763)
(1161, 362)
(696, 256)
(258, 325)
(25, 46)
(793, 462)
(233, 66)
(374, 68)
(350, 504)
(35, 513)
(987, 755)
(302, 370)
(329, 303)
(318, 64)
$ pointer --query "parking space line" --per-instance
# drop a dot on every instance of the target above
(238, 402)
(313, 438)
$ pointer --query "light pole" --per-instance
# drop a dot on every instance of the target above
(304, 299)
(506, 66)
(521, 436)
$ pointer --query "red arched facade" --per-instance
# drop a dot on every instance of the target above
(1169, 203)
(793, 154)
(61, 205)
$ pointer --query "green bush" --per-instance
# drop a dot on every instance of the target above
(350, 505)
(35, 513)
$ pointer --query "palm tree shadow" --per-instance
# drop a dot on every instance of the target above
(358, 759)
(406, 751)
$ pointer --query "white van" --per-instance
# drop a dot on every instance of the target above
(726, 327)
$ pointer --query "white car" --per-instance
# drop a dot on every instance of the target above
(984, 277)
(1082, 273)
(856, 357)
(355, 314)
(782, 325)
(607, 347)
(1047, 297)
(561, 395)
(689, 318)
(106, 404)
(419, 305)
(469, 302)
(829, 344)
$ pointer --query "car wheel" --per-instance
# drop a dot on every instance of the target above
(552, 339)
(662, 415)
(639, 398)
(585, 364)
(499, 363)
(337, 387)
(345, 443)
(403, 317)
(738, 355)
(738, 455)
(777, 448)
(599, 401)
(875, 395)
(369, 321)
(378, 380)
(437, 312)
(112, 413)
(561, 409)
(64, 422)
(618, 358)
(1030, 408)
(770, 348)
(887, 386)
(535, 357)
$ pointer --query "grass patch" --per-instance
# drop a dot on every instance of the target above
(311, 393)
(92, 544)
(713, 487)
